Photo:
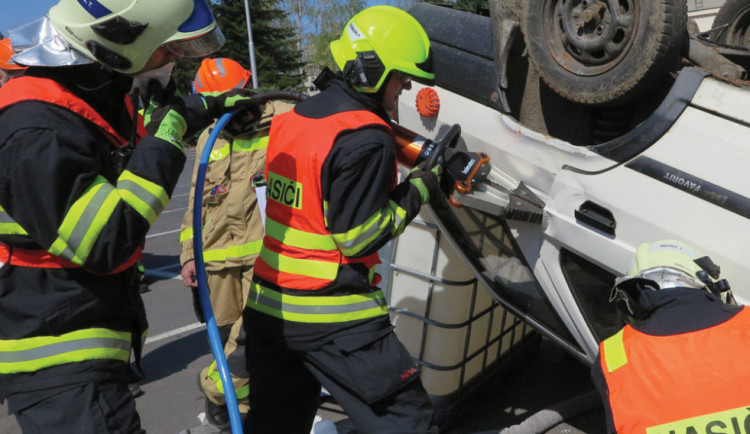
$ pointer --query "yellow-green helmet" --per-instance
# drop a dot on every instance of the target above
(123, 34)
(381, 39)
(669, 263)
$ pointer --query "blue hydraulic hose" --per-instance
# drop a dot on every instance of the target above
(200, 270)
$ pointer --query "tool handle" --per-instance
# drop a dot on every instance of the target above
(448, 140)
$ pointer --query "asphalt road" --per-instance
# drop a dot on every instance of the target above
(177, 349)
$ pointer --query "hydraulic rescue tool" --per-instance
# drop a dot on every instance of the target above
(471, 180)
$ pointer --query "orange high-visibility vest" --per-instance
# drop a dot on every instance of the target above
(298, 250)
(27, 88)
(694, 382)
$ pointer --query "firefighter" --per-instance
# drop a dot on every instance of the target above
(8, 68)
(314, 315)
(77, 198)
(678, 366)
(232, 227)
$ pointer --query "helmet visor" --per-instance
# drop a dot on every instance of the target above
(670, 278)
(199, 46)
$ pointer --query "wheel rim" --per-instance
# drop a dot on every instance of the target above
(737, 33)
(590, 37)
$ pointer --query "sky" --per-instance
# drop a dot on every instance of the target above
(22, 12)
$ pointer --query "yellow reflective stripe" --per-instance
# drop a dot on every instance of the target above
(254, 144)
(297, 238)
(424, 192)
(33, 354)
(303, 267)
(12, 229)
(8, 226)
(737, 419)
(84, 222)
(146, 197)
(614, 352)
(357, 239)
(317, 309)
(186, 234)
(239, 145)
(238, 251)
(399, 218)
(325, 213)
(219, 153)
(240, 392)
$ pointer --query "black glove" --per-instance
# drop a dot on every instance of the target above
(426, 181)
(204, 108)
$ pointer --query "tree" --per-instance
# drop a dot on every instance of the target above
(277, 56)
(321, 21)
(476, 6)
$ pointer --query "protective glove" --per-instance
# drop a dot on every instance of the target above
(427, 182)
(204, 108)
(166, 122)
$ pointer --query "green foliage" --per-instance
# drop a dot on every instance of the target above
(332, 17)
(277, 58)
(476, 6)
(481, 7)
(320, 22)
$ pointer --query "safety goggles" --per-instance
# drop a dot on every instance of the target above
(670, 278)
(198, 46)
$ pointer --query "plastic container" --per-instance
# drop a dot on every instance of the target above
(449, 323)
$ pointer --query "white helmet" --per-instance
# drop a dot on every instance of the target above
(123, 34)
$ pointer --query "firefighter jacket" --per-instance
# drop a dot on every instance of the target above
(232, 228)
(332, 203)
(683, 369)
(71, 227)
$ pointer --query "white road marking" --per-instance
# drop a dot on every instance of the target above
(161, 233)
(174, 210)
(175, 332)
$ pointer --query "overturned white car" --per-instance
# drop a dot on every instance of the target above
(607, 124)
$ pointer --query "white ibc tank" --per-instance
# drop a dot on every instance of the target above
(447, 320)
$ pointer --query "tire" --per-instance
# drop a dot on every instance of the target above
(735, 15)
(587, 56)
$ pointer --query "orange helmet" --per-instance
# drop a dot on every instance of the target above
(6, 51)
(219, 75)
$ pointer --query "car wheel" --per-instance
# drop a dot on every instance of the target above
(732, 23)
(604, 52)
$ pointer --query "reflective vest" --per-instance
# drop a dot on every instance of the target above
(49, 91)
(298, 250)
(694, 382)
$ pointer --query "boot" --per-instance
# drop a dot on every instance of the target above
(217, 415)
